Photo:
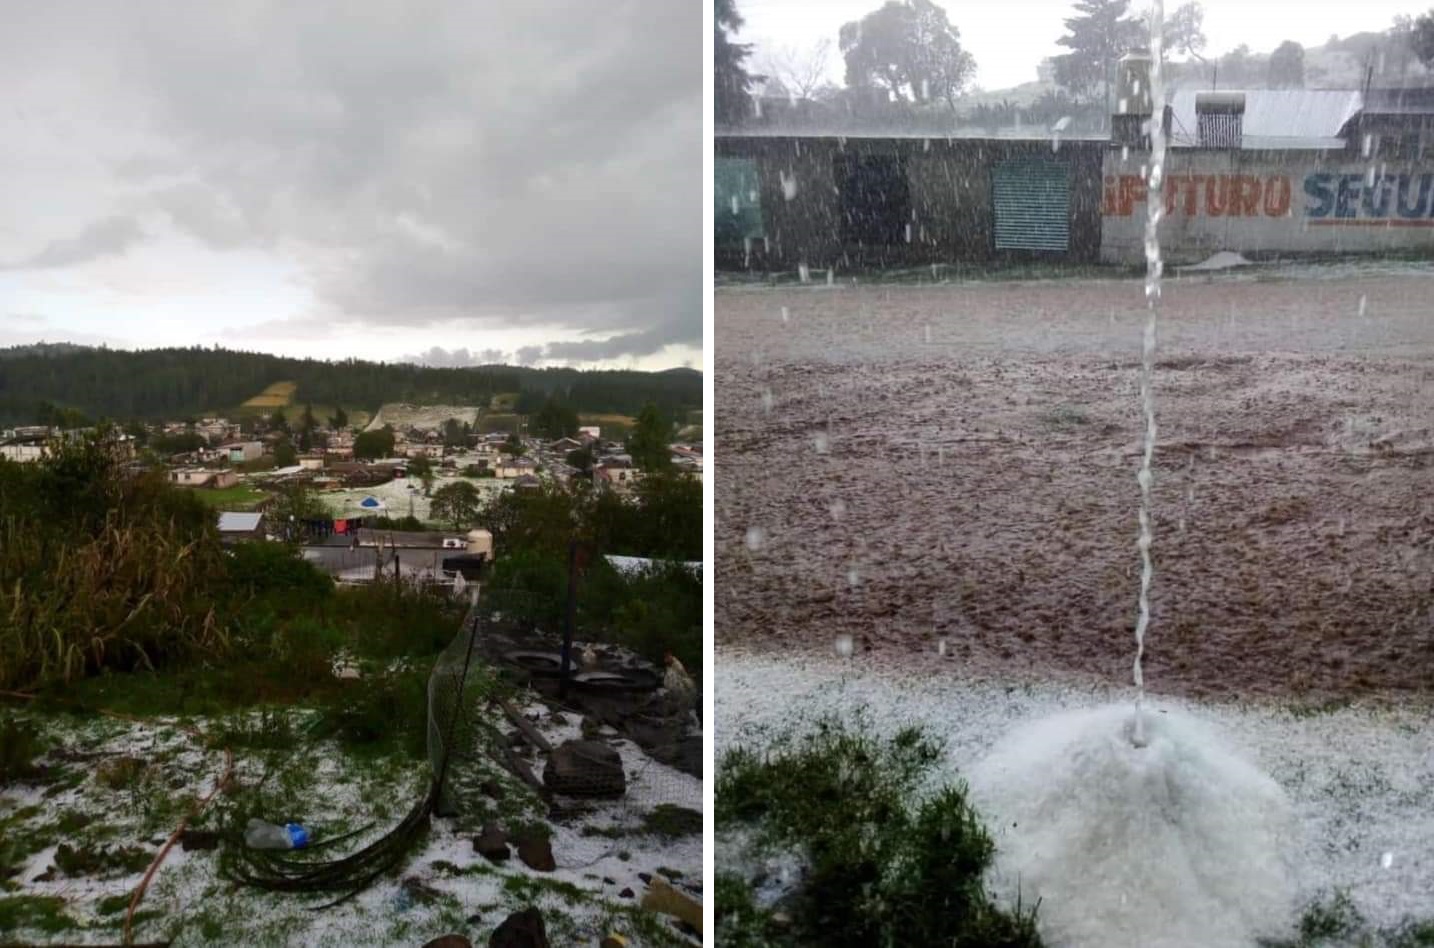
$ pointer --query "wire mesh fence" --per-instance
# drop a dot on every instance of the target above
(616, 751)
(615, 756)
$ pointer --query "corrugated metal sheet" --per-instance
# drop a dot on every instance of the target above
(232, 522)
(1032, 205)
(931, 133)
(1276, 118)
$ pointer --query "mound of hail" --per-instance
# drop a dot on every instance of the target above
(1175, 843)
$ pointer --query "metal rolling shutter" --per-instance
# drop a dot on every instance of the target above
(1032, 204)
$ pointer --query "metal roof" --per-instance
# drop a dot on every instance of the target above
(232, 522)
(1276, 118)
(918, 132)
(1415, 101)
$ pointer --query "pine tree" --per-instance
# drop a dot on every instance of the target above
(1097, 37)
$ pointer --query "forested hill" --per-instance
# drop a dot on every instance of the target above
(174, 383)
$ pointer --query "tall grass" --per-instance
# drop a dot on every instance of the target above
(100, 570)
(126, 598)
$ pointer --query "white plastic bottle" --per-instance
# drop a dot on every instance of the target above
(261, 835)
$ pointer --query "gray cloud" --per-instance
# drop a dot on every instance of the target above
(535, 163)
(633, 343)
(442, 358)
(103, 238)
(528, 355)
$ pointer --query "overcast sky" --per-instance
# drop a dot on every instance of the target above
(515, 181)
(1010, 37)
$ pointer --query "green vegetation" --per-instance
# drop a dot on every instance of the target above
(673, 821)
(650, 439)
(181, 442)
(580, 458)
(99, 860)
(175, 383)
(1336, 923)
(654, 612)
(886, 865)
(456, 503)
(371, 445)
(297, 501)
(117, 589)
(237, 497)
(43, 912)
(98, 570)
(240, 643)
(555, 418)
(20, 744)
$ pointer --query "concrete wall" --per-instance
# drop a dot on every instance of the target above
(1268, 203)
(950, 189)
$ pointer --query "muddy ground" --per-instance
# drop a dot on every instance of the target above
(915, 466)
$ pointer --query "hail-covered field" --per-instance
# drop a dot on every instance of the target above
(929, 512)
(919, 465)
(77, 836)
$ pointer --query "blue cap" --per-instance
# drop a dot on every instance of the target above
(298, 836)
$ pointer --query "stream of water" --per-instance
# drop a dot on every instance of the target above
(1154, 210)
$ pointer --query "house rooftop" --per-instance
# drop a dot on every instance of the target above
(410, 539)
(919, 131)
(236, 522)
(1276, 118)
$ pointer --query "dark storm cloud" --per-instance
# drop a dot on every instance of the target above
(104, 238)
(532, 163)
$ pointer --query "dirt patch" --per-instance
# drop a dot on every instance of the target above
(948, 473)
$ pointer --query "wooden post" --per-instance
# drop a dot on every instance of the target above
(570, 618)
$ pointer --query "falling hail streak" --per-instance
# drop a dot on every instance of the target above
(1154, 210)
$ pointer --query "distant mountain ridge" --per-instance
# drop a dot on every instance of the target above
(41, 349)
(155, 384)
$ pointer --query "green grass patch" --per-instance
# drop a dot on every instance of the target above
(238, 497)
(886, 864)
(77, 861)
(1336, 922)
(20, 744)
(741, 923)
(496, 421)
(45, 913)
(673, 821)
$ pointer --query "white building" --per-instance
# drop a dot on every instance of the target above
(241, 451)
(22, 452)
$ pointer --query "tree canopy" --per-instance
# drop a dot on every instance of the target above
(1421, 37)
(457, 503)
(908, 49)
(68, 387)
(370, 445)
(649, 444)
(555, 419)
(731, 98)
(1097, 36)
(1287, 66)
(1184, 32)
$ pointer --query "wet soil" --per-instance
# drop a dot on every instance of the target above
(947, 474)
